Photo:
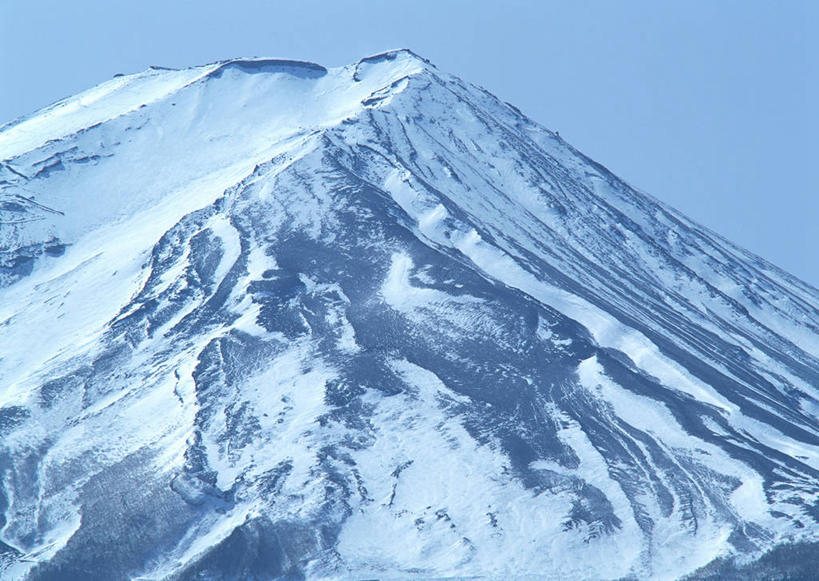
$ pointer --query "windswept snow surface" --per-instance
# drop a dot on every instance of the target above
(262, 319)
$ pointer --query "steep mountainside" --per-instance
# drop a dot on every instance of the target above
(261, 319)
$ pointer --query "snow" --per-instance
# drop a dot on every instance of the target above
(441, 279)
(435, 511)
(102, 103)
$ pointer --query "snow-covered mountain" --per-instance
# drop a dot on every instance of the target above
(261, 319)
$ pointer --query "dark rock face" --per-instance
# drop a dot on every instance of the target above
(426, 339)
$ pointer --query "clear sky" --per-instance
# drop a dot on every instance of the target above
(709, 105)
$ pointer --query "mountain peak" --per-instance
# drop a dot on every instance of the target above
(394, 54)
(402, 61)
(249, 301)
(271, 66)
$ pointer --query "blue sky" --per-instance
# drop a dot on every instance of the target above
(707, 105)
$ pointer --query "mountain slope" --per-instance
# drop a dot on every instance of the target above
(262, 319)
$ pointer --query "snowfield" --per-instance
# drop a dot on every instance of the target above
(261, 319)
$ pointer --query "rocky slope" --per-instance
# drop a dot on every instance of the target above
(262, 319)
